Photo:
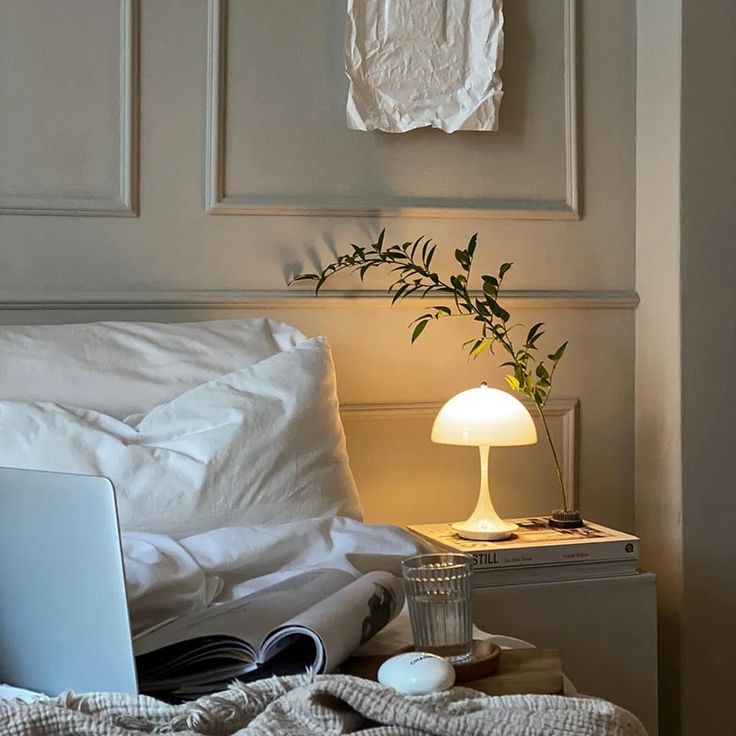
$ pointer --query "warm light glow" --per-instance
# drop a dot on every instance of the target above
(484, 416)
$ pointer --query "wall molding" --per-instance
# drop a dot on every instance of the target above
(280, 299)
(567, 410)
(125, 203)
(219, 202)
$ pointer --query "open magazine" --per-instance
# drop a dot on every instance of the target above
(309, 621)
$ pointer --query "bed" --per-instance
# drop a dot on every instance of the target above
(177, 415)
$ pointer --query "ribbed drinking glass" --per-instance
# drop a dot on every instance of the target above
(438, 590)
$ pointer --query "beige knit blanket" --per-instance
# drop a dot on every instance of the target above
(323, 705)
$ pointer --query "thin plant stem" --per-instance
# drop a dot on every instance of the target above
(554, 455)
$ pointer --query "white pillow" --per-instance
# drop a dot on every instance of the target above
(123, 368)
(261, 445)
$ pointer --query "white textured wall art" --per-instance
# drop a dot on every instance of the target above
(419, 63)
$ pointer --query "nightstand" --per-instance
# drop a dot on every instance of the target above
(605, 629)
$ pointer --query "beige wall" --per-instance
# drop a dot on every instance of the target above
(686, 261)
(708, 260)
(658, 370)
(260, 142)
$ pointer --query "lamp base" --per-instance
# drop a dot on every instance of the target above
(484, 529)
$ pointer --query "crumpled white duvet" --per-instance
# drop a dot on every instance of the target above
(167, 578)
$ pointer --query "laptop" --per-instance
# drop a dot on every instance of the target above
(63, 611)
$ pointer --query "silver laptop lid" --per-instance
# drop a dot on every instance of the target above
(63, 611)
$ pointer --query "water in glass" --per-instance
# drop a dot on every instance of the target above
(438, 592)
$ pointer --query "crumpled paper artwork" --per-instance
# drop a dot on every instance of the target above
(418, 63)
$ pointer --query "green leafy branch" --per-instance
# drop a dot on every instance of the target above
(411, 264)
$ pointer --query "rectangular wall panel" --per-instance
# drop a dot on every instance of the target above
(277, 140)
(68, 95)
(402, 475)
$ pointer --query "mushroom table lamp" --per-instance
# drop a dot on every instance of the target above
(484, 417)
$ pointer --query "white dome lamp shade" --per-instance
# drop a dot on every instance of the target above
(484, 417)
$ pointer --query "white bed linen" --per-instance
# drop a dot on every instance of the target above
(262, 445)
(167, 578)
(123, 368)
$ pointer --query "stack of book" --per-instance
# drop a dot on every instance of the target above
(538, 553)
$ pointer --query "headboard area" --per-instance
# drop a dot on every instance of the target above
(391, 391)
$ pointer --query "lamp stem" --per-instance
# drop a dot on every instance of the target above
(484, 522)
(484, 507)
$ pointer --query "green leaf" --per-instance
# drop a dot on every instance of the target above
(557, 355)
(418, 331)
(504, 268)
(541, 371)
(304, 277)
(379, 242)
(498, 310)
(399, 292)
(444, 309)
(533, 332)
(513, 382)
(471, 244)
(462, 258)
(490, 289)
(476, 342)
(480, 346)
(482, 308)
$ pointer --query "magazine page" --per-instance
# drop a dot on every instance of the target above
(340, 623)
(201, 652)
(249, 618)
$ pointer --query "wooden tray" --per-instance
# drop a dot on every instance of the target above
(519, 671)
(486, 656)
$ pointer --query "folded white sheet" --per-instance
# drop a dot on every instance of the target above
(167, 578)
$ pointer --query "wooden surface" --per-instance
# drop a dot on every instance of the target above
(484, 663)
(520, 671)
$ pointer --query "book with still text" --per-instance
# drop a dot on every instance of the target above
(536, 544)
